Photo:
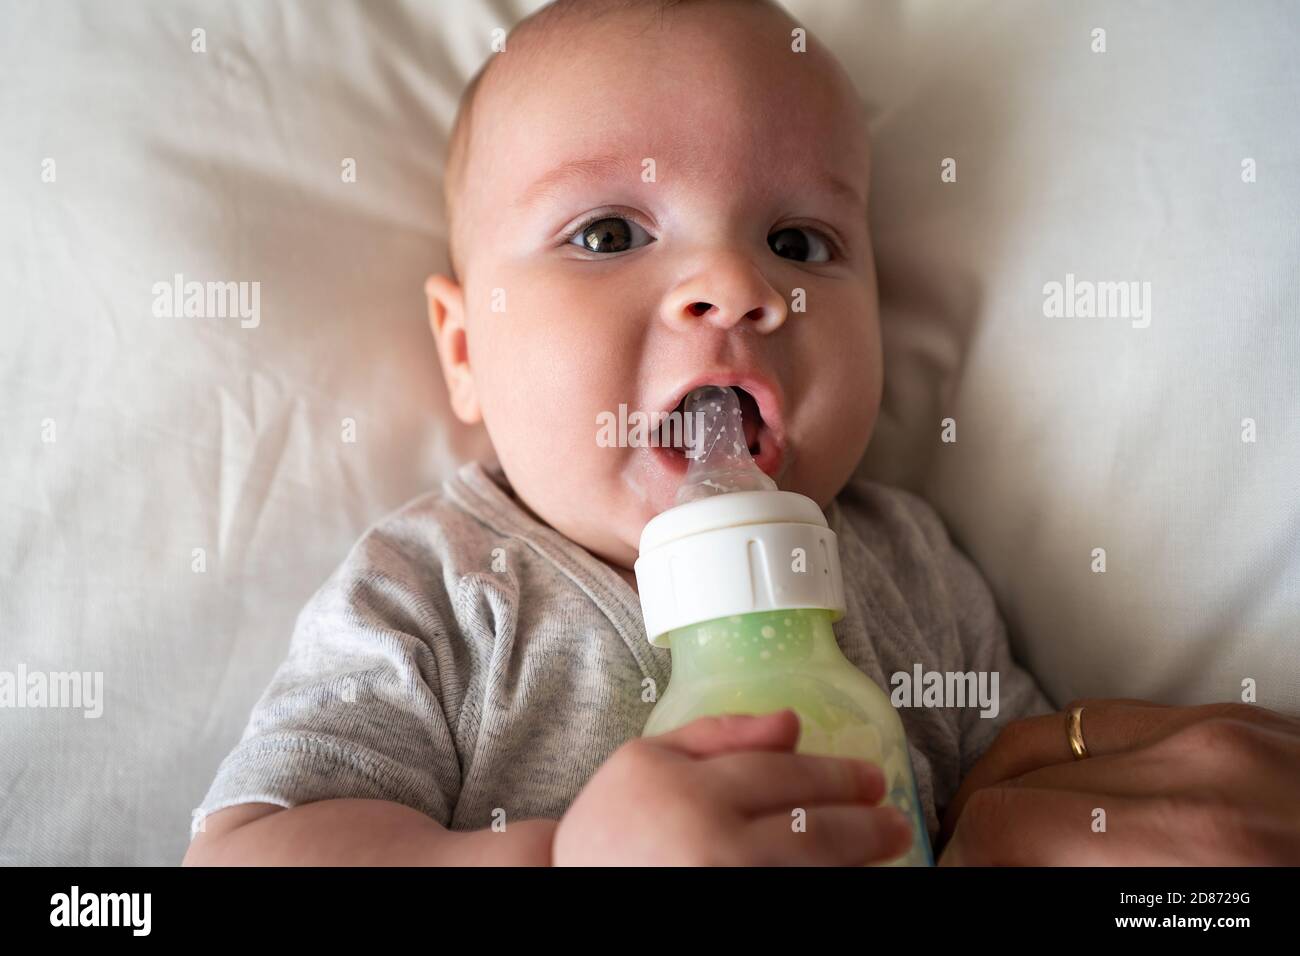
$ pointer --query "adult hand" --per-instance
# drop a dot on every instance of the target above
(1217, 784)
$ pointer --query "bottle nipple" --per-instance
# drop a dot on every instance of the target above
(717, 453)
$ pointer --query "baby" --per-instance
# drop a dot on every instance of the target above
(643, 197)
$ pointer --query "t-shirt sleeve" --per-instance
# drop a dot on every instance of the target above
(357, 709)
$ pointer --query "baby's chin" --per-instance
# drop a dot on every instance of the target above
(649, 483)
(603, 506)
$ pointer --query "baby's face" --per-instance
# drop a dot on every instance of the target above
(651, 204)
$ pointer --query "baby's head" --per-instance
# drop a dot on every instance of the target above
(645, 196)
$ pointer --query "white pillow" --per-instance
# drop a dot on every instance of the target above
(1078, 434)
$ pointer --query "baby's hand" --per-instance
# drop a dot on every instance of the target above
(722, 791)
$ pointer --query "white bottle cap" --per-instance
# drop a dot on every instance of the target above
(735, 554)
(733, 544)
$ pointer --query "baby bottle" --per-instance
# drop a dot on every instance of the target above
(742, 582)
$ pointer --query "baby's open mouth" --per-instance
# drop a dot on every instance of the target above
(761, 405)
(671, 436)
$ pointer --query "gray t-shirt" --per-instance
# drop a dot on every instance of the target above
(465, 657)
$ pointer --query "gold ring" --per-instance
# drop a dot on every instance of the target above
(1074, 732)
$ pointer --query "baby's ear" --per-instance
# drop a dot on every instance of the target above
(447, 320)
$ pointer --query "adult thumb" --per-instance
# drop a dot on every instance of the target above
(723, 733)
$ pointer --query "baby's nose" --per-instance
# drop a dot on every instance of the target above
(726, 295)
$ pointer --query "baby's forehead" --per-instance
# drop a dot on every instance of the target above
(689, 99)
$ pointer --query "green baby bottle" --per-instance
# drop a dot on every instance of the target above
(742, 582)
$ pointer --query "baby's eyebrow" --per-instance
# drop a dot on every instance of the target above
(616, 164)
(843, 191)
(596, 167)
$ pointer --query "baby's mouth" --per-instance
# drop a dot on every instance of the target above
(751, 419)
(762, 410)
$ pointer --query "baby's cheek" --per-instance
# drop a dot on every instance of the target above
(843, 403)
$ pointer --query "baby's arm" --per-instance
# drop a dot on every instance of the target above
(359, 833)
(717, 791)
(351, 754)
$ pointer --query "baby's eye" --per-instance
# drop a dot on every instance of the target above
(611, 234)
(801, 244)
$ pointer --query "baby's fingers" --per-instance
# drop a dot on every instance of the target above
(829, 836)
(760, 782)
